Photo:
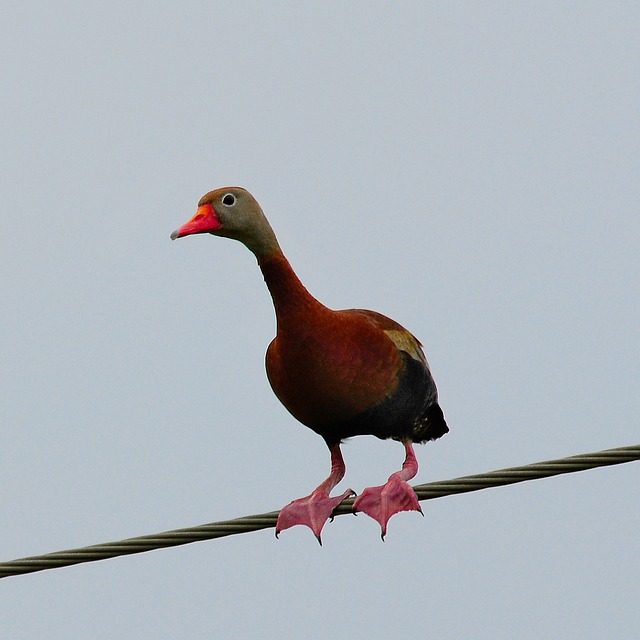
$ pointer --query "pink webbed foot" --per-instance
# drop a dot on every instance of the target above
(313, 511)
(316, 508)
(380, 503)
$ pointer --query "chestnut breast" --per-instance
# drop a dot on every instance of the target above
(329, 366)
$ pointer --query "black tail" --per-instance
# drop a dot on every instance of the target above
(431, 425)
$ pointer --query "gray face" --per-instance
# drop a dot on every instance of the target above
(242, 219)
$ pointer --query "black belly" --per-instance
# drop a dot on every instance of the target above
(411, 413)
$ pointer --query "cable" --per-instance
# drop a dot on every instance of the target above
(267, 520)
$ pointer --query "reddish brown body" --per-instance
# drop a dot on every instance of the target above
(325, 366)
(341, 373)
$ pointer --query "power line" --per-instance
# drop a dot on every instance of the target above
(246, 524)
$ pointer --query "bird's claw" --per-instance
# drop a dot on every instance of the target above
(381, 503)
(312, 511)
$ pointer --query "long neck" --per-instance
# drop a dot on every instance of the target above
(291, 300)
(258, 237)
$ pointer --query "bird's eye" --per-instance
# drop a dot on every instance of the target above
(229, 199)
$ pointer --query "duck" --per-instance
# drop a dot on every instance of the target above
(341, 373)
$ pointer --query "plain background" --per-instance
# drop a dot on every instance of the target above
(470, 169)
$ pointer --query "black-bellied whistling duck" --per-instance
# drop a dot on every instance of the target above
(341, 373)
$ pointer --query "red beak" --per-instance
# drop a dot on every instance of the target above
(205, 221)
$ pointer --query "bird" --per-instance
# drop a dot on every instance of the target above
(341, 373)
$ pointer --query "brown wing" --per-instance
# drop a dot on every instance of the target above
(403, 340)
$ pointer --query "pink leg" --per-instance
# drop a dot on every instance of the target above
(396, 495)
(315, 509)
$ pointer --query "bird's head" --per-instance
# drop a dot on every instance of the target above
(232, 212)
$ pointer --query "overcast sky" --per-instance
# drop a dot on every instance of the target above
(470, 169)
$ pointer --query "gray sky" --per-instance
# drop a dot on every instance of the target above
(470, 169)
